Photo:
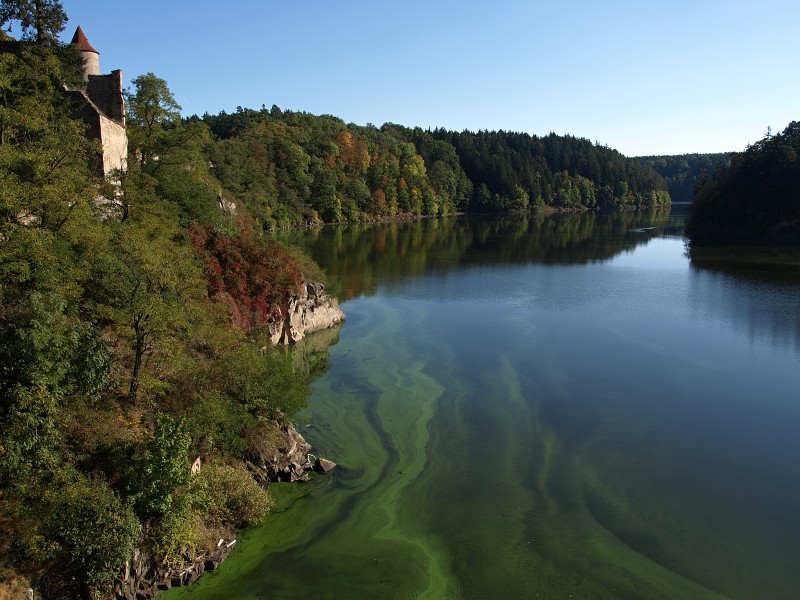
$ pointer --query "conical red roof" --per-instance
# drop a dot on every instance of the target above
(79, 40)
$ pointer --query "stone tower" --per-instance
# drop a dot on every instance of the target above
(90, 56)
(100, 103)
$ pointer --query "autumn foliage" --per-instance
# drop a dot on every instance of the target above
(253, 276)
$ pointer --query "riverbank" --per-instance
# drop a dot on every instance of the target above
(284, 457)
(289, 460)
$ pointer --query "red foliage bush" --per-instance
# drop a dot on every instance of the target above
(254, 276)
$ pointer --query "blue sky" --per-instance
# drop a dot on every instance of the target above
(642, 77)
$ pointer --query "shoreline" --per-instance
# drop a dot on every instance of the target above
(145, 578)
(411, 217)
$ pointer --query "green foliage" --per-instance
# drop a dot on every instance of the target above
(177, 534)
(220, 496)
(683, 172)
(289, 168)
(152, 113)
(165, 469)
(305, 266)
(166, 157)
(91, 363)
(508, 169)
(217, 423)
(264, 381)
(191, 190)
(94, 530)
(44, 157)
(40, 334)
(40, 20)
(30, 436)
(48, 232)
(90, 306)
(231, 495)
(755, 199)
(149, 281)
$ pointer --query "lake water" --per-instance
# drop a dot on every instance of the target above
(543, 407)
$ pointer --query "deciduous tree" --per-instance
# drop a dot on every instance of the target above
(40, 20)
(149, 282)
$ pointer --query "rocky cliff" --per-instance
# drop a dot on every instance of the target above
(310, 310)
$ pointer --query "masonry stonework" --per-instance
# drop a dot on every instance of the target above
(100, 103)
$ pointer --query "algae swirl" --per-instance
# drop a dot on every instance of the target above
(578, 430)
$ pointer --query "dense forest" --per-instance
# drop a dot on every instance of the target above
(683, 172)
(289, 168)
(131, 325)
(516, 171)
(755, 199)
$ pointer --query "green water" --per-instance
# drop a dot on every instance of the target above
(553, 407)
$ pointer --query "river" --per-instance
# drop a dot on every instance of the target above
(565, 406)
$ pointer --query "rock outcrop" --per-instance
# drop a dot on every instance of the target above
(289, 461)
(228, 207)
(144, 578)
(309, 311)
(323, 465)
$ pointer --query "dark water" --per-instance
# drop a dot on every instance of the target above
(553, 407)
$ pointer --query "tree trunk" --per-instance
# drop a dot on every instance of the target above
(137, 361)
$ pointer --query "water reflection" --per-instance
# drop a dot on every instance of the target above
(358, 257)
(754, 290)
(310, 355)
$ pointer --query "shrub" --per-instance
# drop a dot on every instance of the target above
(165, 467)
(94, 530)
(264, 381)
(177, 534)
(216, 424)
(231, 496)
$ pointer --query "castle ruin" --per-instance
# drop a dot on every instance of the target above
(100, 103)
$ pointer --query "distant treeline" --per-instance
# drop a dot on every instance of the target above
(755, 199)
(682, 172)
(289, 167)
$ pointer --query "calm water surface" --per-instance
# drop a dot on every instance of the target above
(554, 407)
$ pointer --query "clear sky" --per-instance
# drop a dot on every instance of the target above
(642, 77)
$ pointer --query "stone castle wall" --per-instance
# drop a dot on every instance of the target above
(114, 139)
(106, 92)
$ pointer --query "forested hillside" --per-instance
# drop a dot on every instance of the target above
(290, 168)
(516, 170)
(683, 172)
(131, 336)
(755, 199)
